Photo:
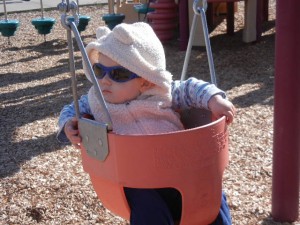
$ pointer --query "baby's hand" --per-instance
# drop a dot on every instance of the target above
(72, 132)
(221, 107)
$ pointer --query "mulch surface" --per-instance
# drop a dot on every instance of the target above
(42, 181)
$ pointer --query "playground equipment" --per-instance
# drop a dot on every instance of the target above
(163, 19)
(194, 167)
(43, 24)
(286, 147)
(200, 11)
(132, 9)
(83, 20)
(229, 13)
(8, 27)
(112, 19)
(143, 8)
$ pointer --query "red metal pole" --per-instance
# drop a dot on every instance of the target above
(183, 24)
(286, 151)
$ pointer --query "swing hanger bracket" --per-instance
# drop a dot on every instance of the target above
(65, 7)
(199, 5)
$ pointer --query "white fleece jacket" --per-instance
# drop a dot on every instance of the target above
(144, 115)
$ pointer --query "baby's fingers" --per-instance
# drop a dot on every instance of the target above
(71, 130)
(230, 115)
(75, 140)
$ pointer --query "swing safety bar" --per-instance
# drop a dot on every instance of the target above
(199, 11)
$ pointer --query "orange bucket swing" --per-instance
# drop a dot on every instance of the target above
(191, 161)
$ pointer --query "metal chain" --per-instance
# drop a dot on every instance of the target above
(200, 10)
(71, 26)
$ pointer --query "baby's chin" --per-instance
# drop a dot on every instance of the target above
(109, 98)
(117, 102)
(110, 101)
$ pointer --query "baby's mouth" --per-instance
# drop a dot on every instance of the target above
(106, 91)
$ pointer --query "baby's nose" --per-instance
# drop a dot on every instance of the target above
(105, 79)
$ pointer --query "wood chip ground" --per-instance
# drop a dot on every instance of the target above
(42, 181)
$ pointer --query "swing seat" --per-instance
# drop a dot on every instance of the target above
(191, 161)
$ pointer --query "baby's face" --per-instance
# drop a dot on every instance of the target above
(113, 91)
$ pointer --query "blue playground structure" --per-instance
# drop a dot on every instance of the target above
(8, 27)
(83, 20)
(43, 24)
(112, 19)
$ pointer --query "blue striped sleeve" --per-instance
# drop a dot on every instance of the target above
(193, 93)
(67, 113)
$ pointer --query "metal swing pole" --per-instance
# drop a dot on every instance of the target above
(71, 26)
(66, 7)
(94, 134)
(200, 11)
(286, 147)
(42, 9)
(5, 12)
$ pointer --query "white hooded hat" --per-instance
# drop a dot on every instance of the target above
(137, 48)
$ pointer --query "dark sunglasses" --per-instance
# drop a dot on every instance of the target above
(116, 73)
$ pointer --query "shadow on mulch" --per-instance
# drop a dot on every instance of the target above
(13, 154)
(269, 221)
(47, 48)
(24, 106)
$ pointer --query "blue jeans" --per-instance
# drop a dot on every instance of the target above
(165, 204)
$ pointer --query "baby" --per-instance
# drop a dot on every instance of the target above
(130, 67)
(129, 64)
